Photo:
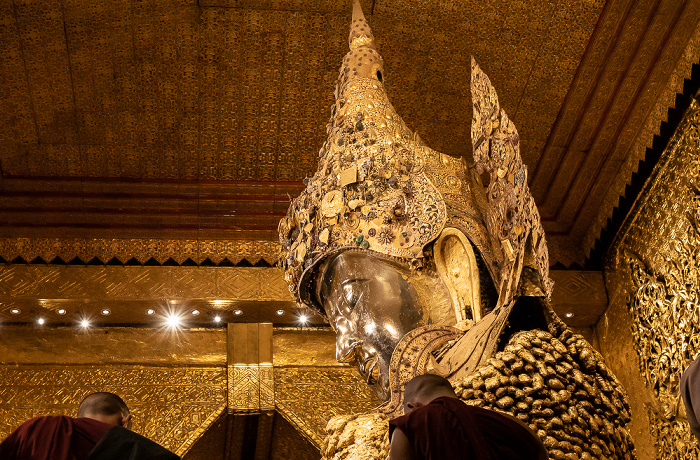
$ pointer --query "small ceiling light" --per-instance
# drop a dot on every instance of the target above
(238, 312)
(40, 321)
(150, 311)
(85, 324)
(303, 319)
(106, 311)
(280, 312)
(195, 312)
(569, 315)
(61, 311)
(15, 311)
(173, 321)
(217, 319)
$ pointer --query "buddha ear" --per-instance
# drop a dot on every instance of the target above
(456, 264)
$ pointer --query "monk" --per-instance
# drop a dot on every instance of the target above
(101, 432)
(690, 392)
(437, 425)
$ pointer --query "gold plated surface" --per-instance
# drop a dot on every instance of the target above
(250, 372)
(171, 405)
(69, 294)
(554, 382)
(549, 377)
(654, 264)
(298, 347)
(309, 396)
(115, 345)
(212, 92)
(142, 249)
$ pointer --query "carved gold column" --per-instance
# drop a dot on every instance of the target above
(250, 376)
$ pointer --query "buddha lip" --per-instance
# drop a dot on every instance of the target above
(367, 368)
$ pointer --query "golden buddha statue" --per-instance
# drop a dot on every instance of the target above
(427, 263)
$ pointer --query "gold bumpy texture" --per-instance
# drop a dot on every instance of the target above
(378, 188)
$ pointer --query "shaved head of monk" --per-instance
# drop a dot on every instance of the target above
(106, 407)
(423, 389)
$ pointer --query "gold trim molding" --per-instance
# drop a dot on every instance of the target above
(141, 249)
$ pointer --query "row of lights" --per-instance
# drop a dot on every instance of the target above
(172, 320)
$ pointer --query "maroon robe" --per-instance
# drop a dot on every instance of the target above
(54, 438)
(690, 392)
(448, 429)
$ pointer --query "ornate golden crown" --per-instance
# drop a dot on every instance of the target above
(378, 187)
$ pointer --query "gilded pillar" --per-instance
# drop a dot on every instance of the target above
(249, 368)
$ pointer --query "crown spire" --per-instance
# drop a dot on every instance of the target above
(360, 32)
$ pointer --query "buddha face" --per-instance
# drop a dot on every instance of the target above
(372, 303)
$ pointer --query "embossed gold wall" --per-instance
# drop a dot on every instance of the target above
(651, 331)
(177, 385)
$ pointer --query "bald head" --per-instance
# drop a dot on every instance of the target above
(105, 407)
(423, 389)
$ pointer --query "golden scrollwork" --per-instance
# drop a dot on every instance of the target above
(659, 257)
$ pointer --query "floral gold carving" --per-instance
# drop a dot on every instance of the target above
(656, 257)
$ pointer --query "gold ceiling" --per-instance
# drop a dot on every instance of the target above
(194, 120)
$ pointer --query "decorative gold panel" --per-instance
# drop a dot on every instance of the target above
(655, 262)
(49, 287)
(251, 388)
(171, 405)
(309, 396)
(141, 249)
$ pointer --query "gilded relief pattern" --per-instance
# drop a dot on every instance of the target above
(308, 397)
(659, 250)
(172, 406)
(141, 249)
(251, 388)
(132, 283)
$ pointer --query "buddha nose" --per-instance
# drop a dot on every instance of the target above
(346, 341)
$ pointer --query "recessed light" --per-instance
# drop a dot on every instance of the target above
(238, 312)
(150, 311)
(173, 321)
(15, 311)
(195, 312)
(569, 315)
(217, 319)
(106, 311)
(280, 312)
(303, 319)
(85, 323)
(61, 311)
(40, 321)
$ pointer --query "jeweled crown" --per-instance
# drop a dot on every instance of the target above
(378, 187)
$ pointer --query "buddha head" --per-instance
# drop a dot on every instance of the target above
(390, 235)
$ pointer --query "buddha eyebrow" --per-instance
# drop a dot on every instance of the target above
(354, 280)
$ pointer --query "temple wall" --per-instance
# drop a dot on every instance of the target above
(178, 385)
(650, 331)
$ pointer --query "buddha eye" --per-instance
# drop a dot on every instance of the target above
(352, 292)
